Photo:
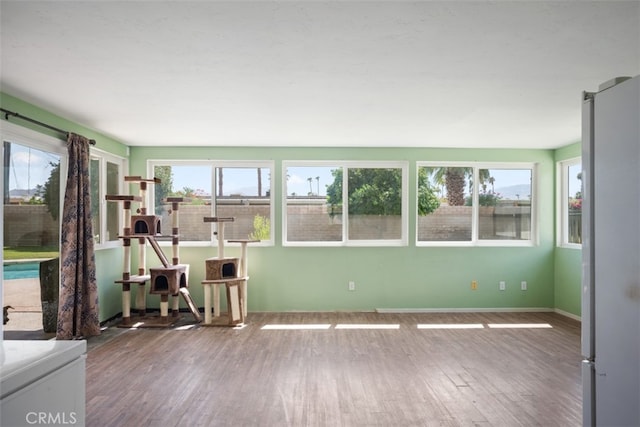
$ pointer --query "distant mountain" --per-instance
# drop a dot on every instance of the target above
(515, 192)
(21, 193)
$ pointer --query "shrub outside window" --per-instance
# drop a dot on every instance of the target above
(475, 204)
(345, 203)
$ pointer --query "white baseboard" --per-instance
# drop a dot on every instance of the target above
(567, 314)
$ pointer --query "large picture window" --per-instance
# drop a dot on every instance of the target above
(225, 189)
(475, 204)
(345, 203)
(570, 203)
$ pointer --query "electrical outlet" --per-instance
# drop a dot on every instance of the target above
(352, 286)
(523, 285)
(474, 285)
(503, 285)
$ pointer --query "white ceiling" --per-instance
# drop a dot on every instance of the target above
(367, 74)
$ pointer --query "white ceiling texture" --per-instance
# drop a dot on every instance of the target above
(503, 74)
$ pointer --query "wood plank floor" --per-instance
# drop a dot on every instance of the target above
(329, 374)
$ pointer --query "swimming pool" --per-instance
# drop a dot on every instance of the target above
(21, 270)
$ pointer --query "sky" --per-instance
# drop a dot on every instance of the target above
(29, 167)
(298, 180)
(244, 180)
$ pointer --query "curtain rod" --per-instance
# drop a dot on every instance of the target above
(8, 113)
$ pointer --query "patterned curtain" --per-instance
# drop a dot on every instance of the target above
(78, 305)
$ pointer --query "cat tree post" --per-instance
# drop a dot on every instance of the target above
(127, 278)
(244, 270)
(175, 247)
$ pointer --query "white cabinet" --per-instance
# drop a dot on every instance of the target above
(42, 383)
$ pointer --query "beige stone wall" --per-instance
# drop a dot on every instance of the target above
(193, 228)
(32, 225)
(447, 223)
(312, 223)
(453, 223)
(305, 222)
(29, 225)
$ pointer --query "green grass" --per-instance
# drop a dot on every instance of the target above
(13, 253)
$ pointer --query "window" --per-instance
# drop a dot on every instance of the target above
(107, 178)
(309, 218)
(244, 193)
(504, 203)
(352, 203)
(570, 203)
(225, 189)
(33, 188)
(475, 204)
(444, 213)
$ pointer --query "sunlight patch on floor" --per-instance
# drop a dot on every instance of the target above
(519, 325)
(450, 326)
(296, 326)
(367, 326)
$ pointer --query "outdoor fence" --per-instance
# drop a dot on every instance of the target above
(29, 226)
(453, 223)
(307, 220)
(575, 226)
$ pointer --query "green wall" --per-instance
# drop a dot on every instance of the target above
(315, 278)
(568, 261)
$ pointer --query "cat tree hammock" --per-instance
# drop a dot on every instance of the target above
(231, 272)
(169, 280)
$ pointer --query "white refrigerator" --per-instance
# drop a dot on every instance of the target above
(611, 254)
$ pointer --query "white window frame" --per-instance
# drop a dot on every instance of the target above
(105, 157)
(346, 165)
(562, 195)
(213, 241)
(475, 241)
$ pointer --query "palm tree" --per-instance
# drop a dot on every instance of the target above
(310, 188)
(454, 179)
(318, 182)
